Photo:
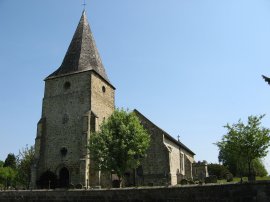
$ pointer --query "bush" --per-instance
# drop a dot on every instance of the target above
(79, 186)
(184, 182)
(218, 170)
(210, 179)
(229, 177)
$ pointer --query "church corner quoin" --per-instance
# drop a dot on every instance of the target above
(78, 97)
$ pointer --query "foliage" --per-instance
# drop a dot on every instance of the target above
(229, 177)
(218, 170)
(25, 161)
(210, 179)
(120, 144)
(10, 161)
(1, 164)
(243, 144)
(259, 168)
(7, 176)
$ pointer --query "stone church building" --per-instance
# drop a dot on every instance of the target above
(78, 97)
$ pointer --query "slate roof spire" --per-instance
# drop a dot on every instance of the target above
(267, 79)
(82, 54)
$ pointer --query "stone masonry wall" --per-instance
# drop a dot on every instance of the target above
(156, 164)
(65, 101)
(102, 105)
(259, 192)
(68, 107)
(177, 174)
(174, 160)
(102, 99)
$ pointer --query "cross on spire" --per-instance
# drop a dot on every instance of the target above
(84, 4)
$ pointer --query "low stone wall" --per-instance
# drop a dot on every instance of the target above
(259, 191)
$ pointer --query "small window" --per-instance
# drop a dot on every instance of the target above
(67, 85)
(63, 151)
(103, 89)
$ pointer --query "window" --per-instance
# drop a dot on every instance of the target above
(93, 123)
(63, 151)
(182, 160)
(67, 85)
(103, 89)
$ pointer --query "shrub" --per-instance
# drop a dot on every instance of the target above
(229, 177)
(218, 170)
(211, 179)
(184, 182)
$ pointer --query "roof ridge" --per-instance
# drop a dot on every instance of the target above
(180, 144)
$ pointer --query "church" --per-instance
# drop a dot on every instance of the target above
(78, 97)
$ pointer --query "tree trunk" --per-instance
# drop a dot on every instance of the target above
(118, 183)
(251, 177)
(249, 168)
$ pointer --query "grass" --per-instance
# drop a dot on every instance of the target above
(245, 179)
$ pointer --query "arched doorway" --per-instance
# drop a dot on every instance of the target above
(48, 180)
(63, 177)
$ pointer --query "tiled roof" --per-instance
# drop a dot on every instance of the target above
(82, 54)
(266, 79)
(180, 144)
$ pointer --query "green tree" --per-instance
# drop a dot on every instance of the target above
(10, 161)
(1, 163)
(25, 161)
(218, 170)
(120, 144)
(244, 143)
(7, 176)
(259, 168)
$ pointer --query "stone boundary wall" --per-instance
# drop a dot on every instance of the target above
(259, 191)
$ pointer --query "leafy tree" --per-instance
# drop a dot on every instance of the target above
(7, 176)
(120, 144)
(10, 161)
(25, 161)
(259, 168)
(244, 143)
(218, 170)
(1, 163)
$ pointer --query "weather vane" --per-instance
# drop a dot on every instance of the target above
(84, 4)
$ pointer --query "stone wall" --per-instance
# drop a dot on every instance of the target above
(156, 166)
(102, 98)
(174, 159)
(66, 100)
(102, 105)
(72, 104)
(166, 162)
(210, 193)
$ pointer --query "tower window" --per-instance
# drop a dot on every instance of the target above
(63, 151)
(67, 85)
(103, 89)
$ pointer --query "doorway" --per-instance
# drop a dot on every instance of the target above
(64, 178)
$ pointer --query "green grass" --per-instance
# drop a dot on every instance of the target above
(263, 178)
(245, 179)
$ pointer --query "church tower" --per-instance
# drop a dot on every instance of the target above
(78, 97)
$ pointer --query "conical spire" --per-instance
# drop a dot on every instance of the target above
(82, 54)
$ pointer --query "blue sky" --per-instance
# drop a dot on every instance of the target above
(189, 66)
